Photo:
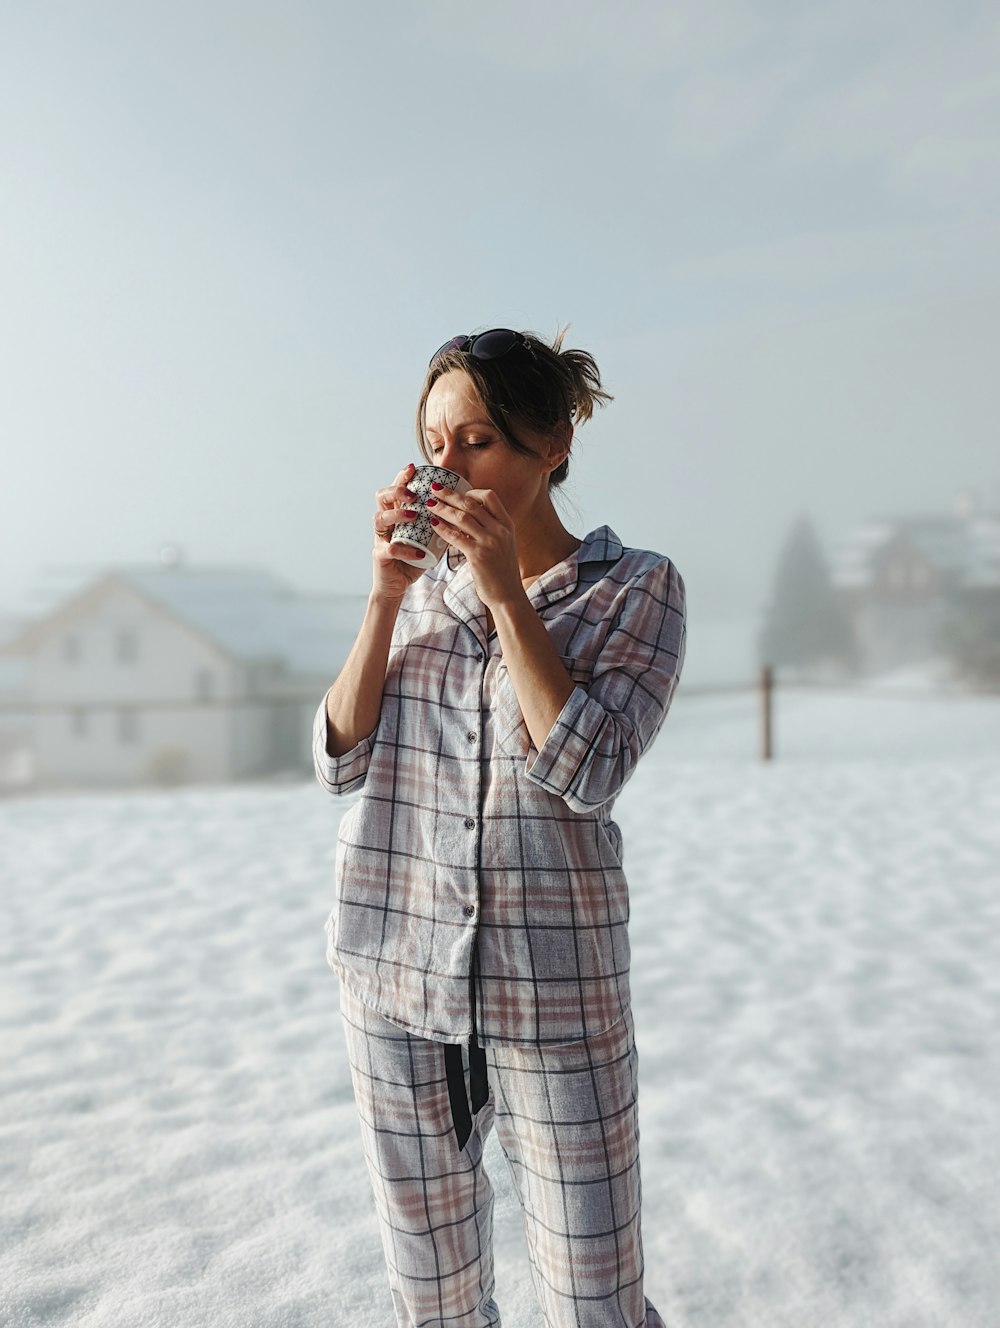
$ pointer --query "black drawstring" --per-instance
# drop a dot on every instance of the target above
(479, 1088)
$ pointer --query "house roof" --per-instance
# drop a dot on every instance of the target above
(249, 613)
(254, 614)
(967, 548)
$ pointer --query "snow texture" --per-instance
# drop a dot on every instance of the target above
(816, 970)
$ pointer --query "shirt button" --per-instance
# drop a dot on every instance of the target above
(470, 823)
(469, 910)
(472, 736)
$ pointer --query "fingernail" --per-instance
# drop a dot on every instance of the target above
(431, 502)
(435, 485)
(420, 553)
(406, 513)
(435, 521)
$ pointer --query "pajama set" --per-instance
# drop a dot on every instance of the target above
(480, 934)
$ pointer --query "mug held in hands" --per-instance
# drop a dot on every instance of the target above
(420, 534)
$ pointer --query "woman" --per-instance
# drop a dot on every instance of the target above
(490, 712)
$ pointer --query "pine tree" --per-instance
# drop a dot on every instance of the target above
(805, 624)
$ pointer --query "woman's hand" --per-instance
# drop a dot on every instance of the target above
(478, 524)
(391, 575)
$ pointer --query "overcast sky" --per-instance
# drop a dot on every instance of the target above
(232, 234)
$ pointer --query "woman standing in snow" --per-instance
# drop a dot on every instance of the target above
(490, 711)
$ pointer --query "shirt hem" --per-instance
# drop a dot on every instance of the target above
(484, 1040)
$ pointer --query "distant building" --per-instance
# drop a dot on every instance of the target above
(169, 674)
(16, 762)
(901, 577)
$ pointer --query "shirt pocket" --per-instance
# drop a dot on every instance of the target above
(512, 736)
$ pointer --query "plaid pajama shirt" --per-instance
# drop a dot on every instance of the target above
(479, 881)
(480, 892)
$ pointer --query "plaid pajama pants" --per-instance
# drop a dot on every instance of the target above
(566, 1119)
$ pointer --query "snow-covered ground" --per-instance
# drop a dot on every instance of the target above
(816, 972)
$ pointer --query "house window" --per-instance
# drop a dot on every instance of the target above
(128, 726)
(78, 723)
(204, 685)
(71, 649)
(127, 643)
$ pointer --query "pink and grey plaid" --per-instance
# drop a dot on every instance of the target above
(566, 1119)
(480, 889)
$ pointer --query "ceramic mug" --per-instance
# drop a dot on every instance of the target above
(420, 534)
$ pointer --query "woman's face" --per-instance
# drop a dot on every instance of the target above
(459, 435)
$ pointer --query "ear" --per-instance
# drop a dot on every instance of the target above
(559, 445)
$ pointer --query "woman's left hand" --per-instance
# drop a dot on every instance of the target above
(478, 525)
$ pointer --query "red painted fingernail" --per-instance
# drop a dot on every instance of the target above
(409, 513)
(435, 485)
(435, 521)
(431, 502)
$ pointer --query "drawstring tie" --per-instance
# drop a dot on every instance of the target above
(479, 1088)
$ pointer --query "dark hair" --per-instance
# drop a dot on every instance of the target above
(539, 386)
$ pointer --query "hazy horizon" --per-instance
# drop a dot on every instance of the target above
(235, 233)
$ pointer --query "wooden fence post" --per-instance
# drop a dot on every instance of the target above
(766, 688)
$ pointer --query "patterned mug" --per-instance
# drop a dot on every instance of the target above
(420, 534)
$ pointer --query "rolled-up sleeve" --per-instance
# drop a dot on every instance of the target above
(339, 774)
(593, 747)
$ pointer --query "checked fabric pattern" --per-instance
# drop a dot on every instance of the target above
(480, 887)
(566, 1119)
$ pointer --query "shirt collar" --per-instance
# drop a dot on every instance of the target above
(600, 546)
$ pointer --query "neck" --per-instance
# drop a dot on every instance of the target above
(542, 542)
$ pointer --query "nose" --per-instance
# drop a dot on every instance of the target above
(450, 458)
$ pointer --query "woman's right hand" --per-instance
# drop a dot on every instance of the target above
(391, 575)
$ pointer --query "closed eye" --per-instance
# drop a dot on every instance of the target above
(486, 443)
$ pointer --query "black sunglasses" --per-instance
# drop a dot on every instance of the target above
(485, 345)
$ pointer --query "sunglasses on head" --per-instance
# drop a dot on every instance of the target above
(485, 345)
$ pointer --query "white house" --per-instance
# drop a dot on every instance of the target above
(157, 674)
(16, 765)
(900, 579)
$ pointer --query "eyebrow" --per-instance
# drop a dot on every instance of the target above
(472, 424)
